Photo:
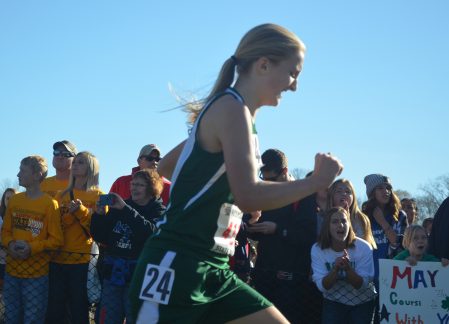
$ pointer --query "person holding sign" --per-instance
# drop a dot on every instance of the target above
(415, 244)
(183, 273)
(343, 271)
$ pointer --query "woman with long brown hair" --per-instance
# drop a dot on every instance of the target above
(342, 194)
(343, 271)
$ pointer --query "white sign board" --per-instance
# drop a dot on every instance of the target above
(413, 294)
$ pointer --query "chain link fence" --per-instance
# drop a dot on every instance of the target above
(63, 287)
(51, 287)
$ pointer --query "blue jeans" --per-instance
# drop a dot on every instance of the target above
(337, 313)
(68, 291)
(25, 299)
(115, 304)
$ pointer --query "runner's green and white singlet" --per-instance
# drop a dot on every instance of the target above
(201, 219)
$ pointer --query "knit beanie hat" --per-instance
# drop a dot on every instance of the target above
(373, 180)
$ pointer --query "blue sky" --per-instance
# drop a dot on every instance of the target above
(373, 91)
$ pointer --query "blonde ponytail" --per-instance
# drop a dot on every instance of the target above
(274, 42)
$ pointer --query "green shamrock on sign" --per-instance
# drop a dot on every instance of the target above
(445, 303)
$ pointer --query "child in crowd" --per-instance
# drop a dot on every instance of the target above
(415, 244)
(31, 226)
(123, 230)
(68, 269)
(343, 270)
(342, 194)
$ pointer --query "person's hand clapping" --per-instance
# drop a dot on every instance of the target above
(342, 262)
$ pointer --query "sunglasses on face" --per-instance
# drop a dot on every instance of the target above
(151, 158)
(65, 154)
(273, 178)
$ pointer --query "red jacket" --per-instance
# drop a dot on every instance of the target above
(122, 185)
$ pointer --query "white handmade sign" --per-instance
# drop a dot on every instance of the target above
(413, 294)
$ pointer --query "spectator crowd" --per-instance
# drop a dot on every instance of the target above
(69, 250)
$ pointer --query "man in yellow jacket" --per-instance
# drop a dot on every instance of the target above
(63, 154)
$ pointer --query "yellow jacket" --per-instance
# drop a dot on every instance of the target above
(52, 186)
(76, 227)
(36, 221)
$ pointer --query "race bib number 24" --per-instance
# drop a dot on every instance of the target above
(157, 284)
